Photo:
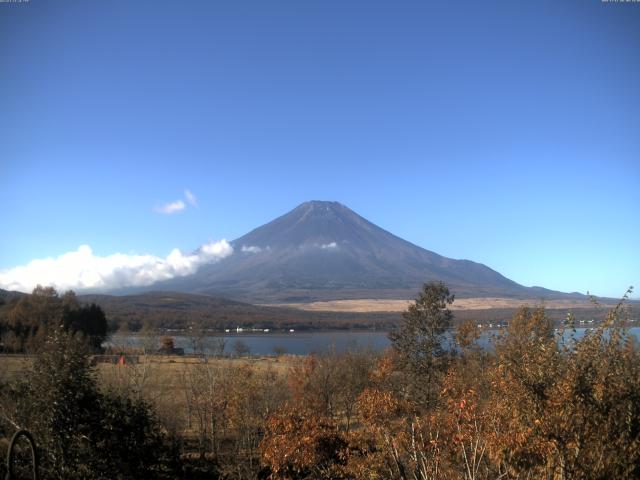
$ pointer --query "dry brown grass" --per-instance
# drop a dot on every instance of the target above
(367, 305)
(164, 369)
(13, 366)
(164, 381)
(159, 379)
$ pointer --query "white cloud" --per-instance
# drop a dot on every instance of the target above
(329, 245)
(178, 205)
(82, 270)
(191, 198)
(251, 249)
(170, 208)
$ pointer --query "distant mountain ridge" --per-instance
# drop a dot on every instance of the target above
(325, 251)
(8, 295)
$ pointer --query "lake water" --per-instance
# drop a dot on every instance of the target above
(296, 343)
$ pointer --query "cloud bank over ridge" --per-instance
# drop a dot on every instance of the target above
(83, 270)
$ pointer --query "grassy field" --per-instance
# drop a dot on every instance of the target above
(168, 367)
(162, 380)
(374, 305)
(13, 366)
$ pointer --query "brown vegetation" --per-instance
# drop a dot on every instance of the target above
(368, 305)
(531, 407)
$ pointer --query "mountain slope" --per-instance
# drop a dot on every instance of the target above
(324, 250)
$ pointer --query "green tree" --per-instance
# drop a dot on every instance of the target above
(90, 321)
(63, 404)
(418, 341)
(84, 433)
(25, 322)
(131, 443)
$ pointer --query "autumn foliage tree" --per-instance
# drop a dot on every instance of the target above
(300, 444)
(566, 408)
(541, 403)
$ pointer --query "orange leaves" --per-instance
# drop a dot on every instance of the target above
(467, 334)
(377, 407)
(559, 411)
(531, 409)
(385, 367)
(299, 377)
(297, 443)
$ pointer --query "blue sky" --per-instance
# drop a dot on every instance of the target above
(503, 132)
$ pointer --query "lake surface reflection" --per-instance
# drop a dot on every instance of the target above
(296, 343)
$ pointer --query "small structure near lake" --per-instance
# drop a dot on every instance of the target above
(167, 347)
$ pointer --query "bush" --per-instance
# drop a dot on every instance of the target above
(81, 432)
